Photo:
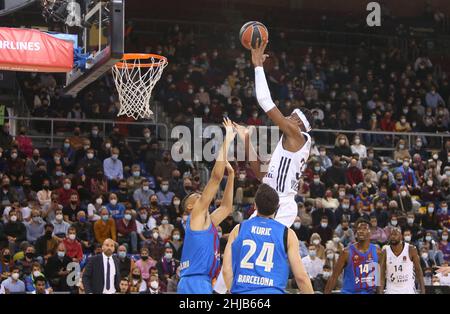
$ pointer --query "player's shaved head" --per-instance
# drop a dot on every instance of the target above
(266, 200)
(188, 201)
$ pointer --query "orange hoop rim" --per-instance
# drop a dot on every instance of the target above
(141, 56)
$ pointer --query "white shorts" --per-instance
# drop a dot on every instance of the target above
(287, 211)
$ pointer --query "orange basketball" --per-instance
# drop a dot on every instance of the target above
(250, 33)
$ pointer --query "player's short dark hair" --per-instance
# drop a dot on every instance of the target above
(183, 202)
(39, 278)
(361, 221)
(266, 200)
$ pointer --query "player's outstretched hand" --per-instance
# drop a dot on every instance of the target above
(243, 131)
(230, 169)
(258, 55)
(230, 134)
(443, 270)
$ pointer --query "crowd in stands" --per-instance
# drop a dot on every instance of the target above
(59, 204)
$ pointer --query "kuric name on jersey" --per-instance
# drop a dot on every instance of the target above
(261, 230)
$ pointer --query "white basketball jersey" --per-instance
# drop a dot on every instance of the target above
(285, 168)
(400, 277)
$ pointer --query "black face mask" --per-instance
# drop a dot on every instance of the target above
(144, 258)
(36, 157)
(29, 255)
(154, 203)
(6, 257)
(136, 276)
(345, 228)
(48, 233)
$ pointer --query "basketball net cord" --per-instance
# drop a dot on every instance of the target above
(134, 85)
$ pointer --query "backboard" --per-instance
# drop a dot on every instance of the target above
(101, 36)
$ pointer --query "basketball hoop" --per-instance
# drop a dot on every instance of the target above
(135, 76)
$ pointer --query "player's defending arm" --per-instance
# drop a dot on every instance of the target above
(226, 206)
(289, 127)
(382, 279)
(250, 152)
(227, 259)
(417, 268)
(298, 269)
(340, 264)
(200, 208)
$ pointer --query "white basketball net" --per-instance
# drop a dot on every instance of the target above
(135, 83)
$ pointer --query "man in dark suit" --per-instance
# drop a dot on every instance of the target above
(102, 273)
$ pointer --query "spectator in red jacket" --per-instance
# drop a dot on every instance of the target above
(127, 231)
(387, 124)
(24, 143)
(73, 246)
(354, 174)
(65, 192)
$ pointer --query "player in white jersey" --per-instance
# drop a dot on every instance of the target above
(292, 152)
(400, 267)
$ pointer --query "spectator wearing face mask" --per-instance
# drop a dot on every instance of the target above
(316, 188)
(353, 174)
(425, 260)
(358, 148)
(154, 209)
(84, 231)
(418, 148)
(408, 175)
(444, 246)
(35, 227)
(163, 169)
(324, 160)
(12, 284)
(313, 264)
(135, 180)
(384, 171)
(176, 243)
(60, 226)
(90, 163)
(145, 263)
(30, 280)
(155, 245)
(105, 227)
(345, 233)
(342, 148)
(127, 231)
(113, 167)
(137, 283)
(126, 264)
(303, 233)
(174, 210)
(165, 196)
(428, 241)
(15, 231)
(443, 216)
(115, 209)
(320, 281)
(167, 265)
(430, 220)
(56, 269)
(401, 152)
(25, 264)
(31, 163)
(404, 200)
(142, 194)
(66, 192)
(154, 285)
(324, 230)
(430, 192)
(165, 229)
(71, 211)
(73, 246)
(377, 234)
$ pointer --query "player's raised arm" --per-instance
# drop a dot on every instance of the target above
(250, 153)
(289, 127)
(298, 269)
(417, 268)
(226, 206)
(340, 264)
(382, 279)
(201, 206)
(227, 259)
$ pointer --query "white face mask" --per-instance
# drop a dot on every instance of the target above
(113, 202)
(15, 276)
(297, 225)
(168, 255)
(394, 222)
(145, 187)
(164, 221)
(59, 217)
(13, 218)
(99, 201)
(445, 237)
(316, 241)
(312, 253)
(336, 239)
(176, 202)
(410, 221)
(72, 236)
(108, 145)
(36, 274)
(176, 237)
(67, 186)
(330, 256)
(428, 238)
(90, 155)
(326, 274)
(324, 225)
(154, 285)
(403, 193)
(408, 238)
(424, 255)
(155, 235)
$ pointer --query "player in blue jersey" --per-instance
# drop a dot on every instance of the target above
(260, 250)
(200, 258)
(360, 262)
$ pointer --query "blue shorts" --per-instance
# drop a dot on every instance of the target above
(195, 285)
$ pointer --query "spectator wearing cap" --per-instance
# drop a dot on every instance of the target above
(105, 228)
(385, 171)
(408, 175)
(65, 192)
(73, 246)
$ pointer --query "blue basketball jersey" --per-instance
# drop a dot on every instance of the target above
(259, 257)
(200, 255)
(361, 272)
